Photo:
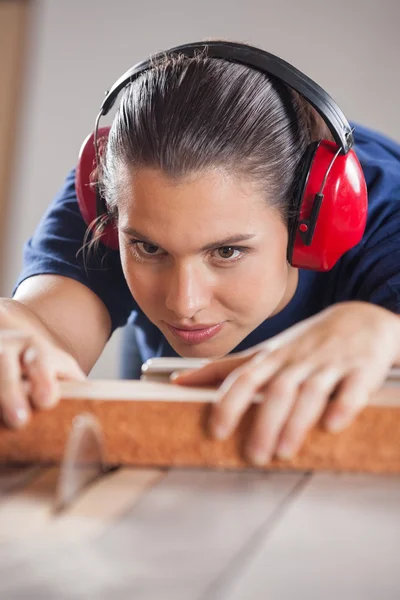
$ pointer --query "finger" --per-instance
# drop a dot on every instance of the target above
(312, 399)
(352, 395)
(279, 397)
(13, 398)
(41, 374)
(237, 392)
(211, 374)
(44, 370)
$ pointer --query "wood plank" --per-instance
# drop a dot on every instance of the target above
(340, 539)
(171, 545)
(155, 424)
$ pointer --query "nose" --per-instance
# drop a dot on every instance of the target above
(188, 290)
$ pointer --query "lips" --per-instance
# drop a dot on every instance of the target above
(196, 336)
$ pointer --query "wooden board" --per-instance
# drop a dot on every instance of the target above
(154, 424)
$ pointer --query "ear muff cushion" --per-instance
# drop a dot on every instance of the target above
(302, 175)
(342, 214)
(86, 191)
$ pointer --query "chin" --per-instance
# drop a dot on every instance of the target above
(205, 350)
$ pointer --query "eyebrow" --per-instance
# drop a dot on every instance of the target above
(234, 239)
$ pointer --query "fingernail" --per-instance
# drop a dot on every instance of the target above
(21, 415)
(219, 431)
(336, 424)
(30, 355)
(177, 374)
(46, 400)
(16, 417)
(284, 451)
(258, 457)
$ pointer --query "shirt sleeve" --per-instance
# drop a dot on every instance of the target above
(56, 248)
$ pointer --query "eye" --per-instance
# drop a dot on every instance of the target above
(228, 252)
(146, 248)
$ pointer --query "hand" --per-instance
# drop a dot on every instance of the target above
(325, 366)
(40, 363)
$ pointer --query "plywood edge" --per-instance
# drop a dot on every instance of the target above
(146, 391)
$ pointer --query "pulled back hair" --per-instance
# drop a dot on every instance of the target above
(188, 115)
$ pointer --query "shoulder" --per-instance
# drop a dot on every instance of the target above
(369, 271)
(374, 142)
(379, 156)
(62, 218)
(58, 247)
(380, 160)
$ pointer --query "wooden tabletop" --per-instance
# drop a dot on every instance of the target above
(201, 535)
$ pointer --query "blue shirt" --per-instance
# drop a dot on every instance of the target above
(369, 272)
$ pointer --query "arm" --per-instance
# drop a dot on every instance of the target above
(65, 311)
(62, 313)
(58, 293)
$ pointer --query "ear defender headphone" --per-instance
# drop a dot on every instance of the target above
(331, 205)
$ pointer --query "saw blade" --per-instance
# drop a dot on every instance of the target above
(83, 460)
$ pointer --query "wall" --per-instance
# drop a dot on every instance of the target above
(79, 47)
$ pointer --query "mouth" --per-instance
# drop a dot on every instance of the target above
(196, 335)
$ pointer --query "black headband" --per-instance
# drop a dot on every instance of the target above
(261, 61)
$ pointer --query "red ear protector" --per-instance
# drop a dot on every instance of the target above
(90, 201)
(330, 210)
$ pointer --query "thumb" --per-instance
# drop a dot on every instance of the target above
(62, 364)
(68, 368)
(211, 374)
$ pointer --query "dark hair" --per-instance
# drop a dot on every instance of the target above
(187, 115)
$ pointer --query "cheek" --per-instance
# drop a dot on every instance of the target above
(259, 289)
(259, 282)
(143, 286)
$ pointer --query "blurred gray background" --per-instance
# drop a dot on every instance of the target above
(77, 48)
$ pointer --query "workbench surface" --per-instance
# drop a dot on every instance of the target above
(192, 534)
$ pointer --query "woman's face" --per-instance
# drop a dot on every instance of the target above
(204, 258)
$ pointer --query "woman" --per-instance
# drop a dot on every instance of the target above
(200, 182)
